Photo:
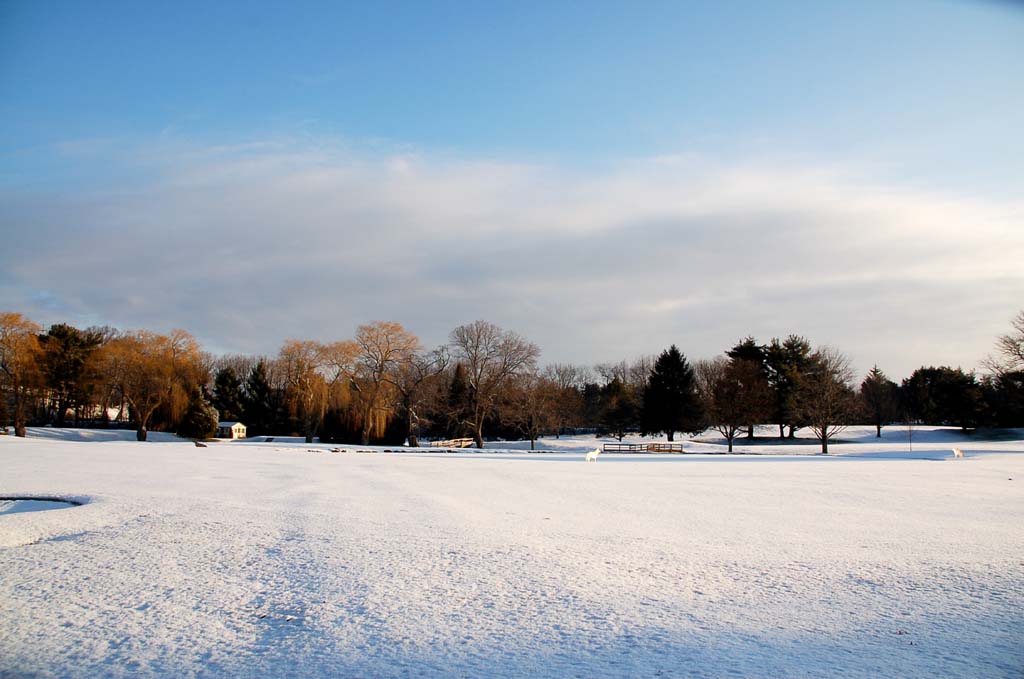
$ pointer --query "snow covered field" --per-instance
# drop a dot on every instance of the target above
(270, 560)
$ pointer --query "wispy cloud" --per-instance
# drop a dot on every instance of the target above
(248, 245)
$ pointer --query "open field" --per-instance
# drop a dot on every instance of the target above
(285, 559)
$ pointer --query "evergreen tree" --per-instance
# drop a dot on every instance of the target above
(65, 365)
(944, 396)
(748, 350)
(787, 363)
(880, 397)
(259, 406)
(754, 354)
(458, 402)
(200, 418)
(591, 405)
(227, 395)
(670, 400)
(1004, 399)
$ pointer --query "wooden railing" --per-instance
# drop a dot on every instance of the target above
(665, 448)
(625, 448)
(643, 448)
(452, 443)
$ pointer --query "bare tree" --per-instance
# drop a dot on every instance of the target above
(570, 381)
(530, 404)
(1011, 348)
(19, 362)
(825, 398)
(491, 357)
(735, 393)
(633, 374)
(413, 380)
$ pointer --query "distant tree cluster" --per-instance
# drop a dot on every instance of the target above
(382, 386)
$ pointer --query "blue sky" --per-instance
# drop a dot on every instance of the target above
(110, 111)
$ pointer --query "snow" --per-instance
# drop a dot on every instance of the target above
(281, 558)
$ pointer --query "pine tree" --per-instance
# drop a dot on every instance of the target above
(880, 396)
(458, 400)
(786, 363)
(752, 353)
(258, 404)
(200, 418)
(64, 362)
(227, 395)
(670, 400)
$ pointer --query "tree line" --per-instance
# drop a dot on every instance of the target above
(382, 386)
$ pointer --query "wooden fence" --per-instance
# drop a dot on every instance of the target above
(643, 448)
(452, 443)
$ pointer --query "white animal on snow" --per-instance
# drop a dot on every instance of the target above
(957, 453)
(592, 455)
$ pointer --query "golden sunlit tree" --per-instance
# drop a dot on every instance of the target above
(385, 349)
(19, 363)
(149, 371)
(302, 362)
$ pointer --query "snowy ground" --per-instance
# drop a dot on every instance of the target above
(285, 559)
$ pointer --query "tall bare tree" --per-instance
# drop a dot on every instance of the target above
(491, 357)
(825, 398)
(530, 404)
(19, 363)
(570, 381)
(735, 393)
(1011, 347)
(413, 381)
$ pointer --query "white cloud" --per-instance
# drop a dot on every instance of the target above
(248, 245)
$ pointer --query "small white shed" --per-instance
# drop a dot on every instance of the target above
(230, 430)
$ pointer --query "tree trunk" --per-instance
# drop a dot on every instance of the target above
(671, 436)
(792, 432)
(19, 414)
(824, 445)
(782, 430)
(750, 431)
(478, 434)
(879, 428)
(409, 423)
(140, 434)
(730, 443)
(532, 441)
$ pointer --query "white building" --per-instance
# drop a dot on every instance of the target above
(230, 430)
